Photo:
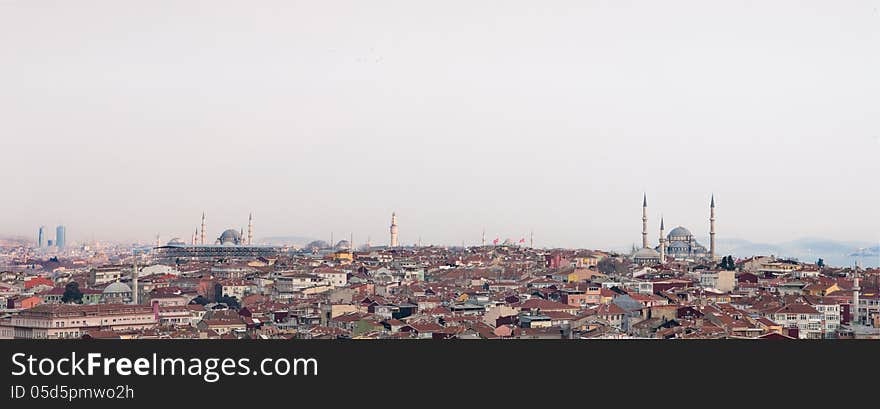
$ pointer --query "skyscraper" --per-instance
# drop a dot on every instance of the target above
(41, 237)
(60, 236)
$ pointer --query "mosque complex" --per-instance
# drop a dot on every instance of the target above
(231, 244)
(680, 244)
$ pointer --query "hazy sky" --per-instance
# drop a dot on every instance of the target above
(124, 120)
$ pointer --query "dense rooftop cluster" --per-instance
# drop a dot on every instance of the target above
(483, 292)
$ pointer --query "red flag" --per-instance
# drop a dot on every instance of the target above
(495, 241)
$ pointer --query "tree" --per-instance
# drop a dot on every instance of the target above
(72, 294)
(199, 300)
(820, 263)
(610, 265)
(727, 263)
(232, 302)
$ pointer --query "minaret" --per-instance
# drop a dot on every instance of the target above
(645, 221)
(240, 236)
(195, 237)
(531, 239)
(134, 279)
(393, 229)
(250, 239)
(662, 242)
(202, 241)
(483, 238)
(712, 229)
(854, 310)
(157, 240)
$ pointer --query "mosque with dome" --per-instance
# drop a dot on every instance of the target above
(679, 244)
(230, 245)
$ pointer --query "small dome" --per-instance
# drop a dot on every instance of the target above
(678, 245)
(116, 288)
(646, 253)
(343, 245)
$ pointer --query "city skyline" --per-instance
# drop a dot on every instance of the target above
(679, 242)
(322, 128)
(252, 179)
(417, 236)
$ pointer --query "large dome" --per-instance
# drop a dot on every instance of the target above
(680, 233)
(230, 237)
(117, 287)
(176, 242)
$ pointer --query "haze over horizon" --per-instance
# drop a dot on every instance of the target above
(122, 121)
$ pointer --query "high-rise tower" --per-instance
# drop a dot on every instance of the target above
(204, 222)
(250, 240)
(645, 221)
(712, 229)
(60, 236)
(41, 237)
(393, 229)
